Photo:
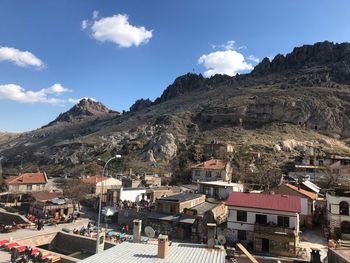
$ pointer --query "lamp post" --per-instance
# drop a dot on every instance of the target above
(100, 202)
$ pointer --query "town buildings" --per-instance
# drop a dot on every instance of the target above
(219, 190)
(185, 216)
(114, 196)
(266, 223)
(51, 204)
(307, 199)
(212, 170)
(177, 203)
(26, 182)
(338, 213)
(100, 184)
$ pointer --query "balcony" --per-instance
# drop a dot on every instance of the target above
(274, 230)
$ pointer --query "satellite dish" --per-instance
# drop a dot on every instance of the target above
(211, 242)
(222, 239)
(149, 231)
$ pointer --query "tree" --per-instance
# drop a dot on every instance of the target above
(76, 190)
(261, 171)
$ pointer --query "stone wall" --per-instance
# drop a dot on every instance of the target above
(70, 243)
(127, 216)
(38, 240)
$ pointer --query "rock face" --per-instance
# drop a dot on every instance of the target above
(141, 104)
(182, 85)
(85, 107)
(301, 97)
(326, 58)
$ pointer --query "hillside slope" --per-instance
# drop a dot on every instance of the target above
(303, 96)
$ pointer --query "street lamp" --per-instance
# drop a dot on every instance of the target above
(117, 156)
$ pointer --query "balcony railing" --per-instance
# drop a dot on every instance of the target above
(273, 229)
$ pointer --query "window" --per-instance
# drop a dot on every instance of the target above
(283, 221)
(261, 219)
(241, 235)
(29, 187)
(172, 209)
(241, 216)
(197, 173)
(343, 208)
(208, 173)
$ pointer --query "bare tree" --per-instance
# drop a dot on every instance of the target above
(76, 190)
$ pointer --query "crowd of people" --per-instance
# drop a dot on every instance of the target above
(141, 205)
(27, 256)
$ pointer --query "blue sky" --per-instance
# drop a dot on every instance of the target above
(131, 49)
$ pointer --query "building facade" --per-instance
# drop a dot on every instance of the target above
(265, 223)
(177, 203)
(212, 170)
(219, 190)
(307, 201)
(338, 213)
(26, 183)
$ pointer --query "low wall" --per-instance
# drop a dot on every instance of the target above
(8, 218)
(38, 240)
(70, 243)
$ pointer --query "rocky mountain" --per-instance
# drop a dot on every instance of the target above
(84, 108)
(281, 108)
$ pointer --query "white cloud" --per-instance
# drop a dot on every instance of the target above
(228, 62)
(253, 58)
(229, 45)
(48, 95)
(95, 14)
(118, 30)
(84, 24)
(20, 58)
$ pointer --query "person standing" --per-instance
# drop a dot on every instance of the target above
(126, 228)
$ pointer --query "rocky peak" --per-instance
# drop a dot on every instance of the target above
(141, 104)
(320, 57)
(85, 107)
(182, 85)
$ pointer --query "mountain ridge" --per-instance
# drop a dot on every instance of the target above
(255, 112)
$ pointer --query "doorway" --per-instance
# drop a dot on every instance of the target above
(265, 245)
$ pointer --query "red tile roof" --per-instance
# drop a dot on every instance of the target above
(94, 179)
(303, 192)
(265, 201)
(211, 164)
(27, 178)
(45, 196)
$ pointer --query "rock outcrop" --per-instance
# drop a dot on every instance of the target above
(301, 97)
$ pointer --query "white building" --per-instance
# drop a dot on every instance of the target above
(212, 170)
(338, 212)
(267, 223)
(128, 194)
(219, 189)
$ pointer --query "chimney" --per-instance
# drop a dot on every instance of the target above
(211, 228)
(137, 230)
(163, 246)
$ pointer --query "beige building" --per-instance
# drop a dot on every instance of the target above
(177, 203)
(212, 170)
(101, 184)
(25, 183)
